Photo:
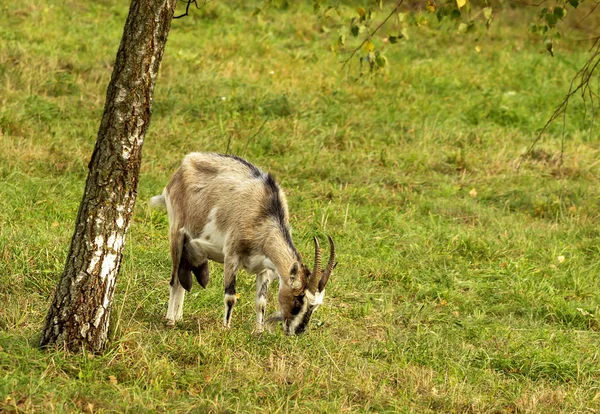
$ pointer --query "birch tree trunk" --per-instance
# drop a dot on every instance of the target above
(80, 312)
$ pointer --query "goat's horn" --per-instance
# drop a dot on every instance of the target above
(330, 265)
(315, 277)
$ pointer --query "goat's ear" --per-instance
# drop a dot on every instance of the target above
(295, 281)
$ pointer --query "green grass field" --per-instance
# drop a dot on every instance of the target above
(462, 285)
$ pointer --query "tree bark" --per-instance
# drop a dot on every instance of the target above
(80, 312)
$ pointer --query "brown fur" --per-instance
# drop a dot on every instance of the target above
(213, 199)
(207, 181)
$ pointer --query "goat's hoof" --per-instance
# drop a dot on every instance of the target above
(169, 322)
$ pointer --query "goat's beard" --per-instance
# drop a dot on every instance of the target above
(273, 320)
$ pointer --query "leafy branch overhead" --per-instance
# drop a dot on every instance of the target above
(398, 17)
(363, 31)
(580, 84)
(465, 17)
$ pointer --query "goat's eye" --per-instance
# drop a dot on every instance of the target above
(298, 302)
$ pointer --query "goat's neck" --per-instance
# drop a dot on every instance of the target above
(282, 253)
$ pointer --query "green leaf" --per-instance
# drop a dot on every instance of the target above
(466, 27)
(342, 40)
(551, 19)
(256, 11)
(487, 13)
(393, 39)
(361, 12)
(560, 13)
(574, 3)
(381, 61)
(440, 14)
(461, 3)
(354, 30)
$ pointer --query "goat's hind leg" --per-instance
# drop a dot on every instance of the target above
(190, 258)
(177, 291)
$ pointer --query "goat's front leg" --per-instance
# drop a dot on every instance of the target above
(231, 266)
(263, 280)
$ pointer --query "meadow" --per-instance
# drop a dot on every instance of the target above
(463, 285)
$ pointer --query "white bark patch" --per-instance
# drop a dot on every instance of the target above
(107, 295)
(84, 329)
(121, 95)
(126, 152)
(110, 283)
(120, 217)
(98, 316)
(109, 264)
(150, 69)
(98, 250)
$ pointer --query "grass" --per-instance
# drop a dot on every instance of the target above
(463, 286)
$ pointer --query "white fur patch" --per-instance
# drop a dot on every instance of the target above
(316, 299)
(212, 239)
(293, 323)
(157, 202)
(258, 263)
(229, 298)
(175, 308)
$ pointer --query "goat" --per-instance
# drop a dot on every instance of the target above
(223, 208)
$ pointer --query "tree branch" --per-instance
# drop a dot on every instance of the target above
(583, 77)
(578, 25)
(524, 3)
(373, 33)
(187, 7)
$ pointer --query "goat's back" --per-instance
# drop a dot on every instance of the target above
(241, 197)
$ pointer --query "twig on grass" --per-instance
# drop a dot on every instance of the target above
(254, 136)
(332, 360)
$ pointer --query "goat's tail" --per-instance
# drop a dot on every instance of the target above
(157, 202)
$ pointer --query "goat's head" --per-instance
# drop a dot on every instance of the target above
(304, 293)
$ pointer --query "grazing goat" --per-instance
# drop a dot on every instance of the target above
(223, 208)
